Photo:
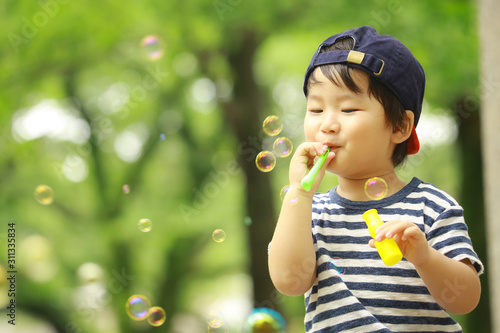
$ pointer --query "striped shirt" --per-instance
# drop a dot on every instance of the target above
(355, 291)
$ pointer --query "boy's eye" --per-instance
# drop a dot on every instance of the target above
(349, 110)
(316, 111)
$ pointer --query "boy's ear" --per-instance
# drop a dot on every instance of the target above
(401, 134)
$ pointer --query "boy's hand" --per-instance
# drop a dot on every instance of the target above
(410, 239)
(302, 161)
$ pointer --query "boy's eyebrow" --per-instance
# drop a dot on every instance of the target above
(341, 97)
(314, 97)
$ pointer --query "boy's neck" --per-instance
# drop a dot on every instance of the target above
(354, 189)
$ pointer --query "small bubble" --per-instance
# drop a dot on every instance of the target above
(264, 320)
(219, 235)
(272, 125)
(156, 316)
(145, 225)
(265, 161)
(137, 307)
(337, 265)
(216, 322)
(126, 189)
(215, 319)
(44, 194)
(162, 136)
(152, 47)
(283, 146)
(286, 192)
(376, 188)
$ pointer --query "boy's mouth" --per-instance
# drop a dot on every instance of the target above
(332, 146)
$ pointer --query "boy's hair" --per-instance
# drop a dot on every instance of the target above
(394, 110)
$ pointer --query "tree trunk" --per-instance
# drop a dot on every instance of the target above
(489, 30)
(245, 116)
(472, 199)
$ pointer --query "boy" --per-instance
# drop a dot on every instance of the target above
(364, 97)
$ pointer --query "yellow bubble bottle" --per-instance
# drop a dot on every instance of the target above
(387, 249)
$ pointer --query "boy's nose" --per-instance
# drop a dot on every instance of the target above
(330, 124)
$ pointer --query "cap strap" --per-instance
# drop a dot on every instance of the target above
(366, 60)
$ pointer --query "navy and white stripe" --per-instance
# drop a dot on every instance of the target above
(354, 290)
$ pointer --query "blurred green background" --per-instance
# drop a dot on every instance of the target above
(89, 105)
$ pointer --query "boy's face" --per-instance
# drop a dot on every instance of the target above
(353, 124)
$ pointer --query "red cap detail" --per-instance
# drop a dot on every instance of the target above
(413, 143)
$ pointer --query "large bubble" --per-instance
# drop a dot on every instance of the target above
(272, 125)
(265, 161)
(282, 147)
(376, 188)
(137, 307)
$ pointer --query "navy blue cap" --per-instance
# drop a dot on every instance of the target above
(387, 60)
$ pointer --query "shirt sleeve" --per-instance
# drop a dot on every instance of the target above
(449, 235)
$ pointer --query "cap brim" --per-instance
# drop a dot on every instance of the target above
(413, 143)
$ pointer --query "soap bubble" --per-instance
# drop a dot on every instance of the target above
(272, 125)
(44, 194)
(376, 188)
(264, 320)
(152, 47)
(162, 136)
(215, 319)
(265, 161)
(126, 189)
(219, 235)
(284, 191)
(137, 307)
(337, 265)
(216, 323)
(283, 146)
(156, 316)
(292, 197)
(145, 225)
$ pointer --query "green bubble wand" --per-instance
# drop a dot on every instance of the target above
(308, 180)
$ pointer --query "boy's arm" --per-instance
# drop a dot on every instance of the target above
(454, 284)
(292, 257)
